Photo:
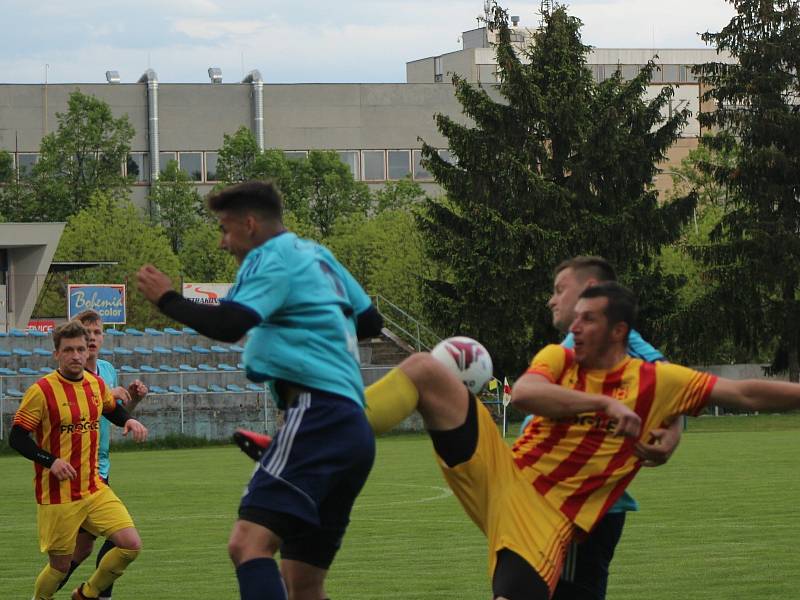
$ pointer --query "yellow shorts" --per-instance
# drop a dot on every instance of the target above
(102, 514)
(506, 507)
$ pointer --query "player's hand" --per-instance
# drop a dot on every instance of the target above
(62, 470)
(137, 389)
(661, 445)
(120, 393)
(138, 430)
(628, 422)
(153, 283)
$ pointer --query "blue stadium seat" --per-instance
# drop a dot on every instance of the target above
(114, 332)
(122, 351)
(240, 366)
(14, 393)
(151, 331)
(19, 333)
(168, 369)
(172, 331)
(196, 389)
(142, 350)
(7, 372)
(4, 353)
(224, 367)
(134, 331)
(27, 371)
(147, 369)
(216, 388)
(205, 367)
(189, 331)
(181, 350)
(21, 352)
(254, 387)
(37, 334)
(106, 352)
(200, 350)
(237, 348)
(232, 387)
(161, 350)
(176, 389)
(128, 369)
(218, 348)
(45, 370)
(157, 389)
(188, 368)
(42, 352)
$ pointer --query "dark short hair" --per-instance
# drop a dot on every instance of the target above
(69, 330)
(89, 316)
(622, 305)
(593, 266)
(260, 197)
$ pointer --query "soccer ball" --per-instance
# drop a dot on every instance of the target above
(466, 359)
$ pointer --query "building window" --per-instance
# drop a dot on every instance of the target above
(137, 167)
(420, 172)
(670, 73)
(350, 158)
(599, 73)
(399, 164)
(374, 165)
(630, 71)
(438, 71)
(163, 160)
(295, 154)
(191, 163)
(25, 162)
(447, 157)
(211, 166)
(685, 73)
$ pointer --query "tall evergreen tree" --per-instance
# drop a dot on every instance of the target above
(753, 260)
(552, 165)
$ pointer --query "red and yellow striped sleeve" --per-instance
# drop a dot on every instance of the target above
(31, 408)
(685, 390)
(551, 362)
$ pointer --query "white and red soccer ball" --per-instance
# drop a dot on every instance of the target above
(467, 359)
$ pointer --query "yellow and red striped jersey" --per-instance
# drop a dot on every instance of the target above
(576, 463)
(64, 417)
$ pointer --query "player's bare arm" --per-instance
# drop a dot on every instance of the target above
(533, 393)
(661, 443)
(756, 395)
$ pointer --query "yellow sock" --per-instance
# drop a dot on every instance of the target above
(47, 583)
(110, 568)
(390, 400)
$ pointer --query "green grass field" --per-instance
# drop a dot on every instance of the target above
(719, 522)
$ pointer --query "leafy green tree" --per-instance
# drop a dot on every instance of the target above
(752, 263)
(82, 157)
(557, 166)
(175, 204)
(6, 167)
(400, 194)
(201, 258)
(108, 229)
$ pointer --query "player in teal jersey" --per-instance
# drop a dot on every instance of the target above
(586, 566)
(305, 314)
(129, 398)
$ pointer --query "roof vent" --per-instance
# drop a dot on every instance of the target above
(112, 76)
(215, 74)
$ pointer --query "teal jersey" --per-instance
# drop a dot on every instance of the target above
(106, 372)
(307, 303)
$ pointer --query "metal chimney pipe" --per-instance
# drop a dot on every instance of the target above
(257, 83)
(151, 79)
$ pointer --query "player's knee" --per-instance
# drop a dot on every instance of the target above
(60, 562)
(129, 554)
(127, 539)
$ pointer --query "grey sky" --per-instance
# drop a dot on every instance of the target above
(296, 41)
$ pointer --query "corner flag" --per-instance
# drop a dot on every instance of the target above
(506, 392)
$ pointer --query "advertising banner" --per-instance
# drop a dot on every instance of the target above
(106, 299)
(205, 293)
(43, 325)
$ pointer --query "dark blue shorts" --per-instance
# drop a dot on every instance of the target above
(305, 484)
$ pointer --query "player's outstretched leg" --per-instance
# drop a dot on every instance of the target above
(113, 564)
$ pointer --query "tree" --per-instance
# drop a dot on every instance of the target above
(175, 204)
(6, 167)
(752, 262)
(401, 194)
(201, 258)
(82, 157)
(108, 229)
(556, 166)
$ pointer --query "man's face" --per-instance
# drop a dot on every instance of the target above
(567, 286)
(95, 337)
(593, 336)
(71, 356)
(237, 233)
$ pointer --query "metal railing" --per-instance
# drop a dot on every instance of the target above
(405, 326)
